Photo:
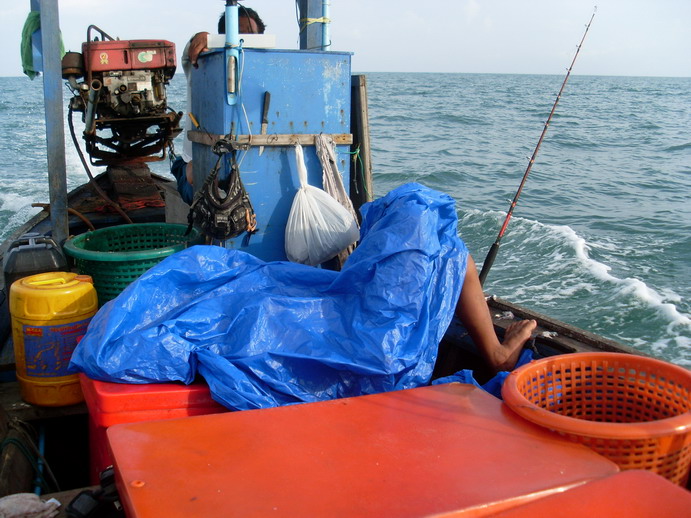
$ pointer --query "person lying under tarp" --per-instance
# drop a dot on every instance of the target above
(267, 334)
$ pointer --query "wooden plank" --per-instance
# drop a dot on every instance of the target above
(11, 401)
(361, 188)
(311, 33)
(209, 139)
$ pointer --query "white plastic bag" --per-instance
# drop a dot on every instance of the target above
(318, 227)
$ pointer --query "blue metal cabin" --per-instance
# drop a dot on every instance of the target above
(310, 94)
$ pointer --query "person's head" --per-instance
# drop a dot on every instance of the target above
(249, 22)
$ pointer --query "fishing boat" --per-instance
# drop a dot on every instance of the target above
(129, 193)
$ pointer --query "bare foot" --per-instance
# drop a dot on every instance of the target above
(515, 336)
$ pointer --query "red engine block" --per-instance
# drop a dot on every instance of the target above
(104, 56)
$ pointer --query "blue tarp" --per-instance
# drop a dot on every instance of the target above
(493, 386)
(267, 334)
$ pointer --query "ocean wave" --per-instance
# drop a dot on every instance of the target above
(12, 202)
(679, 347)
(24, 213)
(648, 126)
(572, 141)
(679, 147)
(465, 120)
(629, 286)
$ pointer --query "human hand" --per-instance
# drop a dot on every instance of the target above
(197, 46)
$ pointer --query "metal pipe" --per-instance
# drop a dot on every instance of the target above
(326, 25)
(90, 115)
(72, 80)
(232, 21)
(55, 133)
(231, 50)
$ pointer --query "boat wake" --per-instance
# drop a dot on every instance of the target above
(9, 201)
(15, 210)
(629, 286)
(554, 270)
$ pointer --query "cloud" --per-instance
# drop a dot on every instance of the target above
(471, 9)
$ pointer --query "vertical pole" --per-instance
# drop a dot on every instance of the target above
(361, 169)
(310, 33)
(55, 130)
(232, 55)
(232, 20)
(326, 24)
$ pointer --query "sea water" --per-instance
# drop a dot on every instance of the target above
(601, 235)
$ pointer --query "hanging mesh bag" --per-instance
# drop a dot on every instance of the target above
(223, 213)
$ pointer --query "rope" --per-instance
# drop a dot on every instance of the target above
(357, 158)
(306, 22)
(92, 180)
(70, 210)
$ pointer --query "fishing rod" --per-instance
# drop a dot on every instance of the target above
(494, 249)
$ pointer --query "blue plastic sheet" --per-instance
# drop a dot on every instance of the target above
(493, 385)
(267, 334)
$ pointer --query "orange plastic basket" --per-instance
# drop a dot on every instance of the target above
(634, 410)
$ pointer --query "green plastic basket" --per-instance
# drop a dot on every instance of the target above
(116, 256)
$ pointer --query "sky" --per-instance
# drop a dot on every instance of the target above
(627, 37)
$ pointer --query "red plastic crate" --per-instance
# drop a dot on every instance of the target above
(117, 403)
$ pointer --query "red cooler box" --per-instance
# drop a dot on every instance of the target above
(116, 403)
(629, 494)
(418, 452)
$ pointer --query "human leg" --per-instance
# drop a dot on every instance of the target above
(181, 171)
(473, 311)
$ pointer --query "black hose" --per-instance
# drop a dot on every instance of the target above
(92, 181)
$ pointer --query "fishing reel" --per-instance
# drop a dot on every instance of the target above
(123, 97)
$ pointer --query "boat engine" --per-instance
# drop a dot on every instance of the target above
(123, 97)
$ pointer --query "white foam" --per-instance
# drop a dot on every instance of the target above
(20, 217)
(629, 286)
(529, 231)
(681, 346)
(11, 202)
